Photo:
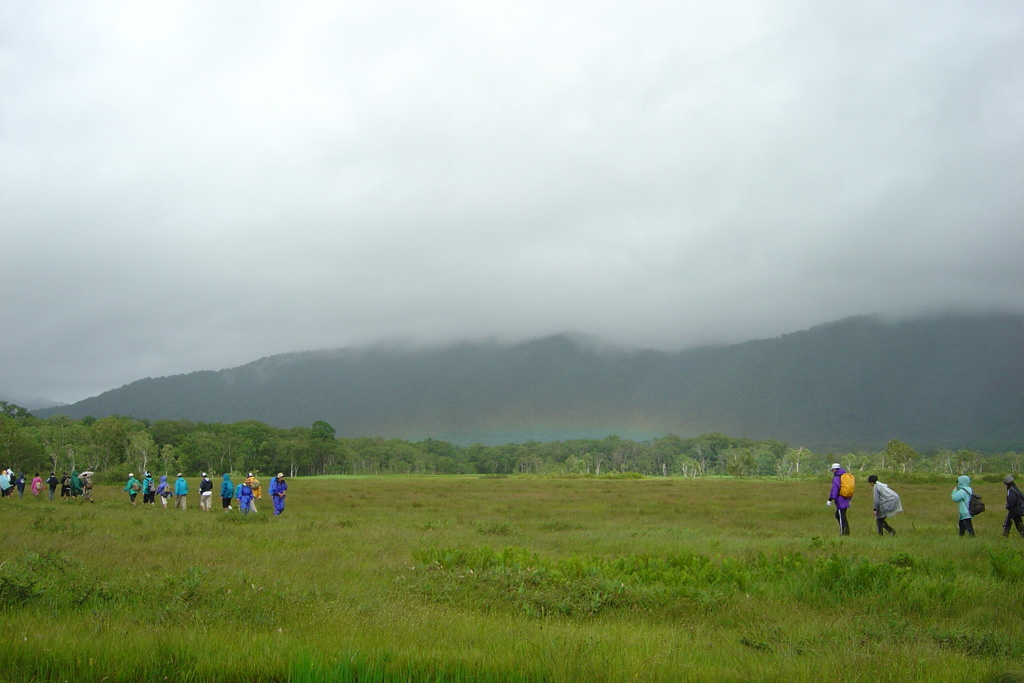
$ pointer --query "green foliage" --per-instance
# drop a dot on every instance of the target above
(113, 446)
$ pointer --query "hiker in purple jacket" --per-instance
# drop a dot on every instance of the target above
(842, 504)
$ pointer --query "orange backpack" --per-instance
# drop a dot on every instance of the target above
(846, 484)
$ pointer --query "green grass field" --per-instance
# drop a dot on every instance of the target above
(511, 579)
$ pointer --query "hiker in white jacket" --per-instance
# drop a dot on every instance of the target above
(886, 503)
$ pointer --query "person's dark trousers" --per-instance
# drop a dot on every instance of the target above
(883, 526)
(967, 527)
(844, 526)
(1017, 521)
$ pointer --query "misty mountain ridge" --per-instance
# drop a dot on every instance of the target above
(952, 381)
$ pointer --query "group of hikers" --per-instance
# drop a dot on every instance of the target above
(71, 486)
(80, 484)
(886, 503)
(246, 493)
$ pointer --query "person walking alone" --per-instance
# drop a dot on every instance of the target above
(885, 503)
(962, 495)
(1014, 507)
(278, 490)
(842, 502)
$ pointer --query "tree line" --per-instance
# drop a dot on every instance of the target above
(113, 446)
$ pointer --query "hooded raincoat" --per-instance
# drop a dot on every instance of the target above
(886, 501)
(244, 497)
(129, 487)
(962, 495)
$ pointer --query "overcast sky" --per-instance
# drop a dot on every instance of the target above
(192, 185)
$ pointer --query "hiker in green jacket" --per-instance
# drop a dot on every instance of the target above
(133, 487)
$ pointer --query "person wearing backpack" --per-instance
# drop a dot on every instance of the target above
(841, 493)
(87, 487)
(163, 489)
(1014, 507)
(885, 503)
(962, 496)
(205, 493)
(254, 484)
(133, 487)
(148, 489)
(245, 497)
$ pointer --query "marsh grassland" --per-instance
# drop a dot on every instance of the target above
(511, 579)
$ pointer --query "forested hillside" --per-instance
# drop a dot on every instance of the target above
(954, 381)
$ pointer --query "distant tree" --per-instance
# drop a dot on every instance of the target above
(739, 462)
(110, 437)
(61, 439)
(322, 431)
(169, 458)
(18, 448)
(899, 453)
(791, 461)
(141, 448)
(171, 432)
(13, 410)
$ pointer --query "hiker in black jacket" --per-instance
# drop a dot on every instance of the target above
(1014, 507)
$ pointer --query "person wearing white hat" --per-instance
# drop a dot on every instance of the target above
(278, 490)
(205, 493)
(180, 492)
(842, 501)
(133, 487)
(148, 489)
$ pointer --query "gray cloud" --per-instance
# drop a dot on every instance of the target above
(194, 185)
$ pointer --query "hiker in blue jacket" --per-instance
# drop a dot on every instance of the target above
(962, 495)
(227, 492)
(180, 492)
(278, 491)
(163, 489)
(245, 498)
(842, 504)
